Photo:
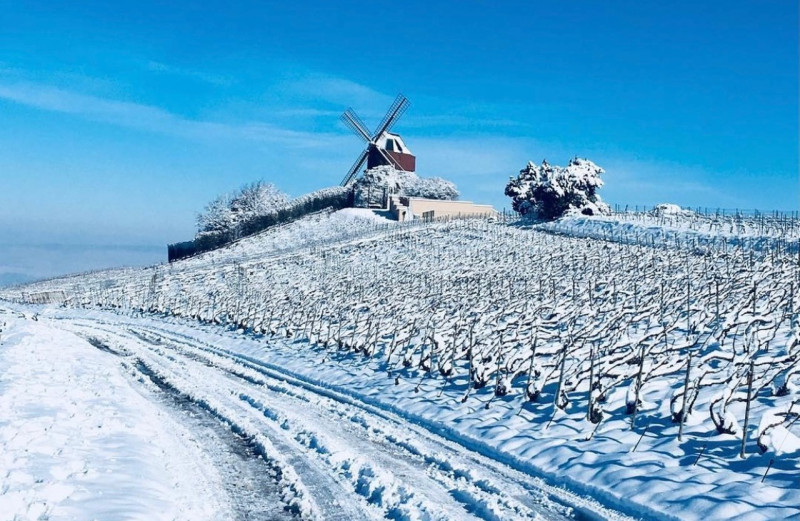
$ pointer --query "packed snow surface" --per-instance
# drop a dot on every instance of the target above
(80, 440)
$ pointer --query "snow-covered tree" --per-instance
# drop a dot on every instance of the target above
(258, 198)
(251, 201)
(369, 189)
(548, 192)
(217, 216)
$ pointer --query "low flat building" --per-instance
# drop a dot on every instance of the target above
(404, 208)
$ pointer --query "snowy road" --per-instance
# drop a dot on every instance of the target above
(331, 456)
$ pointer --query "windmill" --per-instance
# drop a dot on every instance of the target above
(383, 147)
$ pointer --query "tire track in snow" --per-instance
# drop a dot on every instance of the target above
(550, 502)
(478, 491)
(384, 482)
(238, 457)
(306, 489)
(392, 455)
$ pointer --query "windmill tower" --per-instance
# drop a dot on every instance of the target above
(383, 147)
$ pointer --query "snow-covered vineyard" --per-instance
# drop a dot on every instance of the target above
(649, 362)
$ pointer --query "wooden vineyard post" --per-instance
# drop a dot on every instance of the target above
(747, 407)
(560, 380)
(638, 388)
(688, 306)
(684, 412)
(591, 381)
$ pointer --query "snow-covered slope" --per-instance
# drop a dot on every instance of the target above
(564, 356)
(671, 226)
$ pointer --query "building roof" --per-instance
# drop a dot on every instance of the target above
(393, 142)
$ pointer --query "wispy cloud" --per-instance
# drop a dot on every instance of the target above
(463, 122)
(481, 167)
(213, 79)
(335, 91)
(306, 112)
(154, 119)
(477, 161)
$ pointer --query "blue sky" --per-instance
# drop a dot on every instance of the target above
(120, 121)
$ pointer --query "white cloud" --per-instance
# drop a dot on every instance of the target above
(336, 91)
(214, 79)
(154, 119)
(480, 164)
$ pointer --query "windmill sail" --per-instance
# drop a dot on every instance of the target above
(351, 174)
(397, 109)
(355, 124)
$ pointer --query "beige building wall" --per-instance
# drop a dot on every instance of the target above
(405, 208)
(418, 206)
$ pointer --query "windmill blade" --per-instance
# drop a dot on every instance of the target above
(355, 168)
(397, 109)
(390, 114)
(398, 113)
(353, 123)
(358, 121)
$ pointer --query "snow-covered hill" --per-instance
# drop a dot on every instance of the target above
(622, 364)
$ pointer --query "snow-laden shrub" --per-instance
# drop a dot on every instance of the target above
(229, 210)
(379, 182)
(432, 188)
(669, 209)
(258, 198)
(548, 192)
(773, 434)
(375, 185)
(217, 216)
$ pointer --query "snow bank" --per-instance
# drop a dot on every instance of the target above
(78, 442)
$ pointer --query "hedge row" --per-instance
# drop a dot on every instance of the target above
(334, 198)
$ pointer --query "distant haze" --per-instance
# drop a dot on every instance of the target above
(25, 263)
